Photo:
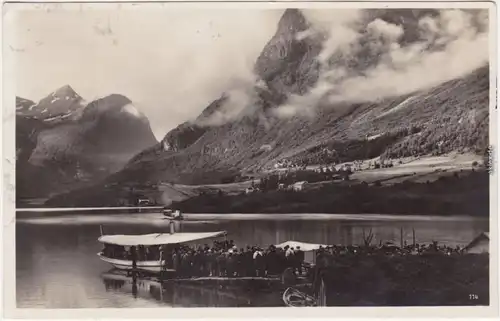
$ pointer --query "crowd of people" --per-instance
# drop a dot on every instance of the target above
(225, 259)
(325, 255)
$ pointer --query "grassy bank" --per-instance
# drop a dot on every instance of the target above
(411, 280)
(460, 194)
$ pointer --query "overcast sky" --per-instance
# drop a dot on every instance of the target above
(173, 62)
(170, 62)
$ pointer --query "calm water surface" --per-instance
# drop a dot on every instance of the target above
(57, 266)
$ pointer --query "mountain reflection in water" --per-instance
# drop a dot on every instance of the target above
(57, 265)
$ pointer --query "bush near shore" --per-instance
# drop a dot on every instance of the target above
(410, 280)
(468, 195)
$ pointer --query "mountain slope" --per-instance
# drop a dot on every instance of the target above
(451, 116)
(97, 140)
(448, 117)
(23, 104)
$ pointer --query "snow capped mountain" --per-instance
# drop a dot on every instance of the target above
(61, 136)
(60, 104)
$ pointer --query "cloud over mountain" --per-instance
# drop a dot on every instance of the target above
(366, 58)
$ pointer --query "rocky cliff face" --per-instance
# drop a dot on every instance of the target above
(289, 65)
(451, 116)
(188, 133)
(91, 142)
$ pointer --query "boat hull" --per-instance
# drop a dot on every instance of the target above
(172, 218)
(126, 265)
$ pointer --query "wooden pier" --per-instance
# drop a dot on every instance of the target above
(226, 282)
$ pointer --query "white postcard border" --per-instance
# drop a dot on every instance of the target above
(8, 208)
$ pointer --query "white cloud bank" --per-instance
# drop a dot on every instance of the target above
(451, 45)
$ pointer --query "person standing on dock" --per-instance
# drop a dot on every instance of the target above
(230, 264)
(249, 262)
(221, 263)
(273, 261)
(299, 260)
(211, 264)
(198, 263)
(259, 262)
(282, 260)
(186, 263)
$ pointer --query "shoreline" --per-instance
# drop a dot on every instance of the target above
(194, 217)
(446, 194)
(467, 195)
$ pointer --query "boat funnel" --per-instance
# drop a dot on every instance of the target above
(172, 227)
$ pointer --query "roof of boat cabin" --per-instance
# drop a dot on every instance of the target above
(303, 245)
(157, 238)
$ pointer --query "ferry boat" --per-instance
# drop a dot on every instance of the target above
(118, 247)
(173, 215)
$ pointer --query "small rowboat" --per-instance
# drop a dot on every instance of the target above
(294, 298)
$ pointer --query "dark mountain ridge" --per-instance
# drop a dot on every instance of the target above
(96, 140)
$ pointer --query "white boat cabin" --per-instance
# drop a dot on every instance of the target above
(152, 252)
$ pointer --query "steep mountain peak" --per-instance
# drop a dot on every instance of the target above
(288, 64)
(59, 105)
(65, 92)
(292, 21)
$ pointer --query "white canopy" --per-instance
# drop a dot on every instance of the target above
(480, 244)
(303, 246)
(157, 238)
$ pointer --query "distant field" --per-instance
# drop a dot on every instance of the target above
(419, 169)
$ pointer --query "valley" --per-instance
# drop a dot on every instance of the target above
(104, 154)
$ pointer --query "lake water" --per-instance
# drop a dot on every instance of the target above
(57, 266)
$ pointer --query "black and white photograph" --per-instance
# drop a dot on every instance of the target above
(252, 155)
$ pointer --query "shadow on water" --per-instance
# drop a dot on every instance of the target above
(177, 295)
(57, 265)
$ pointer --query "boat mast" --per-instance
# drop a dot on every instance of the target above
(172, 227)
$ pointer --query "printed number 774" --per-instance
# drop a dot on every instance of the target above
(473, 297)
